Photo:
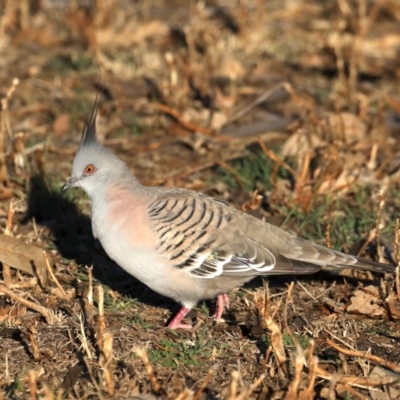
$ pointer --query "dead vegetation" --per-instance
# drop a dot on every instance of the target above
(288, 110)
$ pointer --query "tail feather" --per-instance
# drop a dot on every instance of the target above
(369, 265)
(311, 253)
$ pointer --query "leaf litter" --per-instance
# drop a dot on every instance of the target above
(288, 111)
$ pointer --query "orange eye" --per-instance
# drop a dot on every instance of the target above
(90, 169)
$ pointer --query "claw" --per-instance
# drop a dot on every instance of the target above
(176, 321)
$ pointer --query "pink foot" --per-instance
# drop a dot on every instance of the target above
(176, 321)
(222, 302)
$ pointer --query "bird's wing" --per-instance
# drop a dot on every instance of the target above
(208, 238)
(202, 235)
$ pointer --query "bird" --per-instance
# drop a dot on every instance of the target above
(184, 244)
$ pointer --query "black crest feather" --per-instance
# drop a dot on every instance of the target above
(89, 131)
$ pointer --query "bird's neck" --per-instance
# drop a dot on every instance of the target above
(117, 190)
(111, 204)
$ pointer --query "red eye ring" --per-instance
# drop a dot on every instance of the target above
(89, 169)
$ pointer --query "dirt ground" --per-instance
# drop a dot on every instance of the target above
(287, 110)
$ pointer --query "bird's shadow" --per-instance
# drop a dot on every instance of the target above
(71, 233)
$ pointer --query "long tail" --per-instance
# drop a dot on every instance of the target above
(303, 252)
(369, 265)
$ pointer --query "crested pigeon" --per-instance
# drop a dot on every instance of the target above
(184, 244)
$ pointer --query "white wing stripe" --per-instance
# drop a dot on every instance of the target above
(208, 266)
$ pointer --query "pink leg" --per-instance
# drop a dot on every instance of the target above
(226, 300)
(222, 302)
(176, 321)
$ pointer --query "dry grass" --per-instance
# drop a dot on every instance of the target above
(287, 110)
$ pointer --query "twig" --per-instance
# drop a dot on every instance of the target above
(187, 171)
(371, 164)
(92, 378)
(8, 231)
(276, 334)
(233, 387)
(204, 384)
(35, 349)
(328, 236)
(312, 372)
(142, 354)
(101, 323)
(396, 247)
(32, 377)
(303, 106)
(299, 361)
(354, 392)
(354, 380)
(253, 104)
(285, 314)
(87, 303)
(398, 282)
(247, 392)
(175, 114)
(302, 286)
(269, 153)
(5, 123)
(338, 338)
(90, 290)
(46, 313)
(266, 358)
(371, 357)
(396, 250)
(106, 358)
(82, 336)
(367, 241)
(277, 307)
(7, 369)
(302, 176)
(382, 199)
(292, 392)
(183, 395)
(254, 203)
(10, 216)
(53, 277)
(48, 393)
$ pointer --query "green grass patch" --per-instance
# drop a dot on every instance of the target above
(181, 351)
(254, 171)
(63, 64)
(350, 218)
(381, 328)
(139, 322)
(113, 305)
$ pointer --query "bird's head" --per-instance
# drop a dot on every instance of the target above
(94, 166)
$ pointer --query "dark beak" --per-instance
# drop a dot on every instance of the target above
(70, 183)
